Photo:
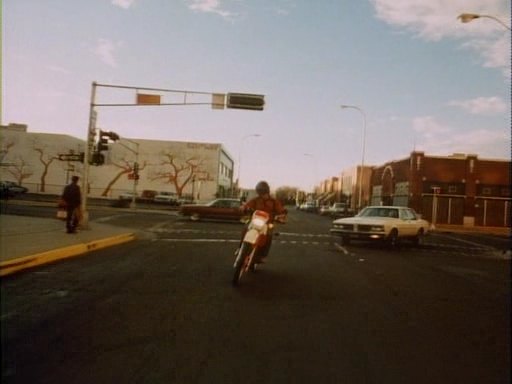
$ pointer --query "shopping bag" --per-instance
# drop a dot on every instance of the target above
(61, 214)
(78, 214)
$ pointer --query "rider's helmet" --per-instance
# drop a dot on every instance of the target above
(262, 188)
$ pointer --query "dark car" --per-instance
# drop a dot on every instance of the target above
(10, 189)
(220, 209)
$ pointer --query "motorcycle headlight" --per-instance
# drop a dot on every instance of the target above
(258, 223)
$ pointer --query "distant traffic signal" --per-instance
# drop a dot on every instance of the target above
(245, 101)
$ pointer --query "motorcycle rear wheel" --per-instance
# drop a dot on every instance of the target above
(242, 259)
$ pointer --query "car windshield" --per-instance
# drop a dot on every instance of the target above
(379, 212)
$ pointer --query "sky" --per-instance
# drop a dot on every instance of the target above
(420, 79)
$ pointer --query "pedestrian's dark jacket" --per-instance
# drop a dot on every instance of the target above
(72, 195)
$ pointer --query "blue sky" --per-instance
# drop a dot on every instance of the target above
(421, 78)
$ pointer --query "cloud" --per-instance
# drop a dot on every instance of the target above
(437, 19)
(437, 138)
(105, 50)
(481, 105)
(125, 4)
(209, 6)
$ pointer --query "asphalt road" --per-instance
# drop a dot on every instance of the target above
(162, 310)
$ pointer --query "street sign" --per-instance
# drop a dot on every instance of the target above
(218, 100)
(147, 99)
(71, 157)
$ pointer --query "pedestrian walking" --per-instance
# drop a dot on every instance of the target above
(73, 199)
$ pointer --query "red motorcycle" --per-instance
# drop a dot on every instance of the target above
(255, 240)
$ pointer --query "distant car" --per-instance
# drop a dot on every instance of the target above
(324, 210)
(127, 196)
(11, 189)
(387, 223)
(309, 207)
(340, 210)
(166, 197)
(220, 209)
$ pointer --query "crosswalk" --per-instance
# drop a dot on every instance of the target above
(432, 244)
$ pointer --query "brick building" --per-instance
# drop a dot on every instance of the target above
(459, 189)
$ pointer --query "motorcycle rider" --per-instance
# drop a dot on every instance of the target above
(264, 202)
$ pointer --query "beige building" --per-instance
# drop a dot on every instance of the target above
(204, 170)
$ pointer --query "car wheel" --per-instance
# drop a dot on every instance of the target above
(393, 238)
(195, 217)
(419, 239)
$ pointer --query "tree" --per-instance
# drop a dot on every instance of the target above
(286, 194)
(179, 172)
(46, 161)
(20, 170)
(125, 167)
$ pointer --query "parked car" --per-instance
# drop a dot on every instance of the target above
(223, 209)
(11, 189)
(309, 206)
(166, 197)
(148, 195)
(386, 223)
(340, 210)
(127, 195)
(324, 210)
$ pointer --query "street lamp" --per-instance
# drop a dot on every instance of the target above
(363, 152)
(468, 17)
(240, 154)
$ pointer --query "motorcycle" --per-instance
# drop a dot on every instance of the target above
(254, 240)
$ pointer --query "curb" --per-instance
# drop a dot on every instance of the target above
(16, 265)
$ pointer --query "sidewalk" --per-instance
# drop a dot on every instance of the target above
(497, 231)
(27, 242)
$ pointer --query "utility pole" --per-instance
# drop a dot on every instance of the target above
(91, 133)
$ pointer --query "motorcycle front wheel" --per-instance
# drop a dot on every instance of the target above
(242, 259)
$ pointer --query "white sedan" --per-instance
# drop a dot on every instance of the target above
(382, 223)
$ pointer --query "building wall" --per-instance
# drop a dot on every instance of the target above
(459, 189)
(185, 168)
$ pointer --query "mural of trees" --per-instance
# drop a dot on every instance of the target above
(124, 168)
(46, 160)
(179, 171)
(20, 170)
(6, 145)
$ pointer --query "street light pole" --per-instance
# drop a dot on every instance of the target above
(468, 17)
(240, 155)
(363, 152)
(134, 172)
(91, 128)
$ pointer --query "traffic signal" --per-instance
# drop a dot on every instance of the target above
(135, 171)
(97, 159)
(105, 137)
(102, 144)
(245, 101)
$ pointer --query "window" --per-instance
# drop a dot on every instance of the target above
(452, 189)
(487, 191)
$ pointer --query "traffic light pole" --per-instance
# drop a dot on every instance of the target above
(134, 170)
(91, 130)
(218, 101)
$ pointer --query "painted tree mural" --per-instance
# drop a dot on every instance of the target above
(20, 170)
(178, 171)
(45, 159)
(124, 167)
